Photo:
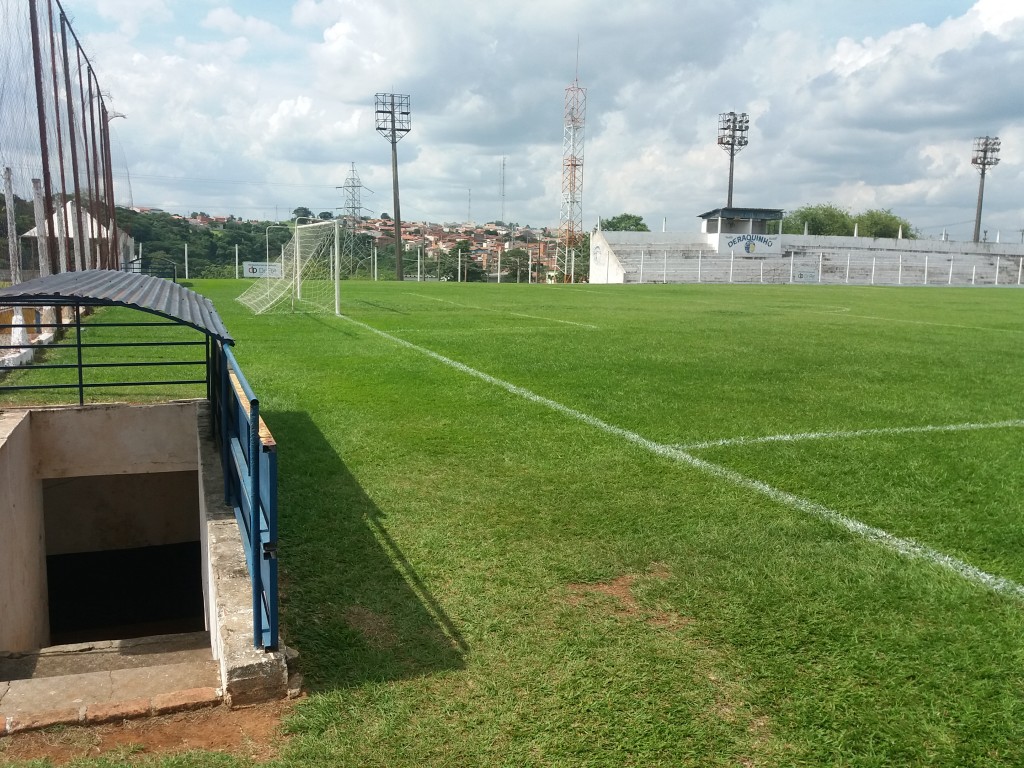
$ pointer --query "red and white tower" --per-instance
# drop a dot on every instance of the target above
(570, 224)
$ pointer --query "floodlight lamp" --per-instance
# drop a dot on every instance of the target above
(986, 152)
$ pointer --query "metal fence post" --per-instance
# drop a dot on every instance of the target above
(254, 520)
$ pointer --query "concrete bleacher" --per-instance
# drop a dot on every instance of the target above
(645, 257)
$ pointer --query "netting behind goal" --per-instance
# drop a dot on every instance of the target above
(303, 278)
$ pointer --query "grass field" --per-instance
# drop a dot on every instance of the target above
(649, 525)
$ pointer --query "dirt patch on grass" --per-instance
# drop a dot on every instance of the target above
(378, 631)
(250, 732)
(623, 598)
(729, 699)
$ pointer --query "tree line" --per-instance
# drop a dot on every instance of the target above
(825, 219)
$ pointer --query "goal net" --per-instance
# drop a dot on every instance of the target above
(304, 278)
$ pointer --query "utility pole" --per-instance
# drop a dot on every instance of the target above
(394, 121)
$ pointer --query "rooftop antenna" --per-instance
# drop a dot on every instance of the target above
(503, 158)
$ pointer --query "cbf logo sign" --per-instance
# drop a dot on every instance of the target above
(753, 243)
(261, 269)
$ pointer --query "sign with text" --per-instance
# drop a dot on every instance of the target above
(261, 269)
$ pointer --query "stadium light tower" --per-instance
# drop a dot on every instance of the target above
(986, 154)
(393, 122)
(732, 137)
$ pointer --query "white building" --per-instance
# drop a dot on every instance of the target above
(745, 245)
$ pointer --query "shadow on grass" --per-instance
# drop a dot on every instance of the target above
(351, 603)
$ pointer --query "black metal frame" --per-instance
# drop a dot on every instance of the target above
(82, 366)
(166, 268)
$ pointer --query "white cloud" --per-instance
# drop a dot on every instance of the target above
(843, 107)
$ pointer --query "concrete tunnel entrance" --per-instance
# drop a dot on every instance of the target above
(123, 547)
(104, 545)
(123, 557)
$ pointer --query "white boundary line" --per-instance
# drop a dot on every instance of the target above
(923, 322)
(906, 547)
(797, 436)
(504, 311)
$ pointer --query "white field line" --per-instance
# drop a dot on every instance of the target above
(906, 547)
(503, 311)
(470, 331)
(798, 436)
(923, 322)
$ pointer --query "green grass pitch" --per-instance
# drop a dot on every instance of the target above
(618, 525)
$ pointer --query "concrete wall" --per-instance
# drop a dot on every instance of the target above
(604, 266)
(23, 626)
(86, 479)
(103, 512)
(114, 439)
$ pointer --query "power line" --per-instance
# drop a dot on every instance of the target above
(138, 176)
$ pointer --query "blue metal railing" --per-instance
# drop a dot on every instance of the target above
(249, 460)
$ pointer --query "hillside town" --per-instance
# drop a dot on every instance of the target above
(487, 242)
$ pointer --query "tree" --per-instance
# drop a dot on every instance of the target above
(883, 223)
(516, 265)
(458, 256)
(822, 219)
(325, 215)
(385, 217)
(582, 264)
(302, 212)
(625, 222)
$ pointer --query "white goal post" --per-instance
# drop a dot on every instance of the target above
(309, 275)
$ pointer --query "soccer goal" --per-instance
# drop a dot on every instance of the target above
(305, 277)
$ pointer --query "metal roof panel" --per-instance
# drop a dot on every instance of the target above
(106, 287)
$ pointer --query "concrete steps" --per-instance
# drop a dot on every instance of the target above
(106, 681)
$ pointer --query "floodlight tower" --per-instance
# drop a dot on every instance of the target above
(986, 154)
(732, 137)
(394, 121)
(570, 225)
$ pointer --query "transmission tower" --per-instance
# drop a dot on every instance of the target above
(986, 154)
(351, 217)
(570, 223)
(394, 121)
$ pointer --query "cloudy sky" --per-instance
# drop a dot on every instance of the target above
(256, 107)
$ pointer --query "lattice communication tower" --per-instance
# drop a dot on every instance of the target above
(570, 222)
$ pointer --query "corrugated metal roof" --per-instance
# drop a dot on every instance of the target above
(106, 287)
(758, 214)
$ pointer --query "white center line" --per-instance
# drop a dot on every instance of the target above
(797, 436)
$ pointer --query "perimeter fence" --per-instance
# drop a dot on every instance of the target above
(832, 267)
(57, 182)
